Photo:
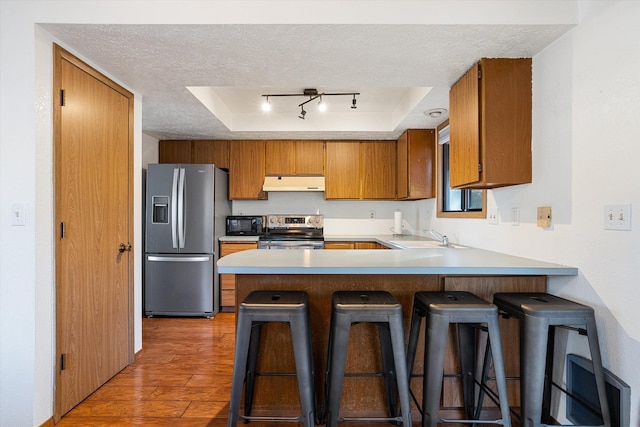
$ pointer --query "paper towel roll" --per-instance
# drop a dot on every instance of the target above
(397, 222)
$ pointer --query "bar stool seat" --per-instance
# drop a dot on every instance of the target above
(381, 308)
(467, 311)
(291, 307)
(540, 314)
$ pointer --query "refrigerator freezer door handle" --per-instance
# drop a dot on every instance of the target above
(174, 210)
(181, 208)
(179, 259)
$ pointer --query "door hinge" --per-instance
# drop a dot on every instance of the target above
(63, 230)
(63, 361)
(479, 167)
(479, 73)
(62, 97)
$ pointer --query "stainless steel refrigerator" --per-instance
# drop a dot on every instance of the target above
(186, 208)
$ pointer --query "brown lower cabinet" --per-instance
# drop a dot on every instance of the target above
(365, 396)
(228, 281)
(354, 245)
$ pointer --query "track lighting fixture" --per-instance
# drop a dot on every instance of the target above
(266, 105)
(312, 94)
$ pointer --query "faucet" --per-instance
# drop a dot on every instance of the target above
(441, 237)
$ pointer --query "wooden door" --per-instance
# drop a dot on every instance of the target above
(93, 210)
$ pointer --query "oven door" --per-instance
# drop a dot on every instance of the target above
(291, 244)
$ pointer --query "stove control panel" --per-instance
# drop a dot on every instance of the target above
(295, 221)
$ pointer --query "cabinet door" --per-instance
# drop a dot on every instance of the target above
(246, 170)
(402, 171)
(213, 152)
(228, 281)
(464, 125)
(309, 158)
(280, 158)
(342, 171)
(174, 151)
(378, 166)
(416, 164)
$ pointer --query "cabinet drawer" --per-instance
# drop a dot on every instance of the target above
(228, 281)
(228, 248)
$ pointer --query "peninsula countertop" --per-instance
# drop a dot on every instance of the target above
(436, 260)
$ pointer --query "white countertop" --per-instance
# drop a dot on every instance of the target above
(407, 261)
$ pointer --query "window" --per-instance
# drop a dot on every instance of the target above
(455, 203)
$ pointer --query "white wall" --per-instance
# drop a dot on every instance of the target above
(586, 146)
(585, 155)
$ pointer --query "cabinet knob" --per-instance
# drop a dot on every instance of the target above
(124, 247)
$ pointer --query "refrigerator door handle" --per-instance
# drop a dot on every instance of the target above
(179, 259)
(181, 208)
(174, 210)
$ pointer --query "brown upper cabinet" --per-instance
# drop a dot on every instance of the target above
(360, 170)
(294, 158)
(416, 159)
(490, 125)
(170, 151)
(212, 152)
(200, 151)
(246, 170)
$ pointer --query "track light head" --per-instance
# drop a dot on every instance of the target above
(353, 103)
(266, 105)
(302, 114)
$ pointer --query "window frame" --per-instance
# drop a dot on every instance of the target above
(441, 213)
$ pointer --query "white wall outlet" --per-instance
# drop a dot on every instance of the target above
(18, 214)
(515, 216)
(372, 214)
(617, 217)
(492, 216)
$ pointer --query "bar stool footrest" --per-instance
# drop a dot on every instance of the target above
(285, 419)
(446, 420)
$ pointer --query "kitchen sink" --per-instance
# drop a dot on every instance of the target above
(422, 244)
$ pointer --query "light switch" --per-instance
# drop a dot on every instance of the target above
(544, 216)
(617, 217)
(18, 214)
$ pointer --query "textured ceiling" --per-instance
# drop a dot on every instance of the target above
(159, 62)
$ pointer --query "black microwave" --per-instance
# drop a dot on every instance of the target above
(245, 225)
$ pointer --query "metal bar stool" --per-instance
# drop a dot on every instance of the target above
(291, 307)
(381, 308)
(540, 314)
(468, 312)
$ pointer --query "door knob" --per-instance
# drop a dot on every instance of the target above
(124, 247)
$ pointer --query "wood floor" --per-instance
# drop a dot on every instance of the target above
(181, 378)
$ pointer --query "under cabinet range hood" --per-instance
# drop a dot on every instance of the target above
(293, 183)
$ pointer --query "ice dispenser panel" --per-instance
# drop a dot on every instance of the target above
(160, 206)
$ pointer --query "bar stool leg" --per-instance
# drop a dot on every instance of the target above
(252, 363)
(532, 371)
(467, 343)
(336, 367)
(414, 334)
(397, 343)
(300, 332)
(594, 347)
(498, 363)
(240, 362)
(435, 343)
(548, 376)
(389, 369)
